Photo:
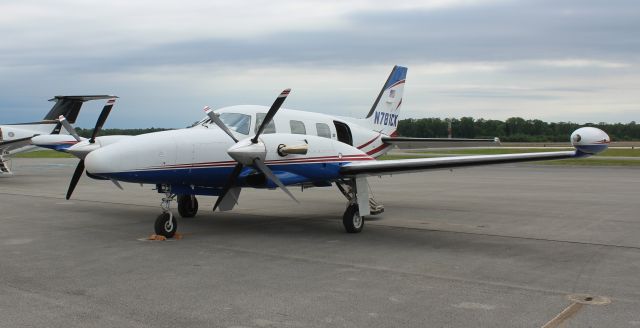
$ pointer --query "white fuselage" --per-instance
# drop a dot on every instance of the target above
(357, 133)
(19, 131)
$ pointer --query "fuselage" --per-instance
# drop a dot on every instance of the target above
(195, 160)
(351, 131)
(19, 131)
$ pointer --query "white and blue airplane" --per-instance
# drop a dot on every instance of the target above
(16, 138)
(251, 147)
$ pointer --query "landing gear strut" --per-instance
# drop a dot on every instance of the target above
(166, 224)
(187, 206)
(352, 220)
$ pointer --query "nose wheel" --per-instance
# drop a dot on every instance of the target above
(166, 225)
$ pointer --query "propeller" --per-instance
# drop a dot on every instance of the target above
(99, 123)
(69, 127)
(101, 119)
(232, 180)
(75, 178)
(271, 113)
(250, 152)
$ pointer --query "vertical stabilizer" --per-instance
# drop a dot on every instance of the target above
(383, 116)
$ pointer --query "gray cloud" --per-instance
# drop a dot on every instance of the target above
(553, 47)
(498, 31)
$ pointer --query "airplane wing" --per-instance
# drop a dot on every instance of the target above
(7, 146)
(376, 168)
(403, 142)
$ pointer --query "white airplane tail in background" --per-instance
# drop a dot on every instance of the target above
(383, 116)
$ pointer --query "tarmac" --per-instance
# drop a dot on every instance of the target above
(497, 246)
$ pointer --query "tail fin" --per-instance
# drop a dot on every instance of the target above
(383, 116)
(69, 106)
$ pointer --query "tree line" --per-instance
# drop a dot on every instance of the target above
(513, 129)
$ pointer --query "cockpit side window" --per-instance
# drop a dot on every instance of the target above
(270, 128)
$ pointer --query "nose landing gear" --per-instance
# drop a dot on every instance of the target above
(166, 224)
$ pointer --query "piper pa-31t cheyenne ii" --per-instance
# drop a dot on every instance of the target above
(16, 138)
(245, 147)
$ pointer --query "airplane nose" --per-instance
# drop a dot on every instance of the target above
(98, 163)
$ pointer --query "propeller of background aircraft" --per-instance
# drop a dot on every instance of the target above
(99, 123)
(249, 152)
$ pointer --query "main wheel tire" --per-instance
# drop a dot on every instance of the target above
(186, 207)
(166, 225)
(352, 220)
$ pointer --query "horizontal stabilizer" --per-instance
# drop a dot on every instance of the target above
(69, 106)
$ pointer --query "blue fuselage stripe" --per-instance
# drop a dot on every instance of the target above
(218, 176)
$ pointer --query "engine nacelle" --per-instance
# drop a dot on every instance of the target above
(590, 140)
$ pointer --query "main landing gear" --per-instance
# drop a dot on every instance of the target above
(352, 220)
(187, 206)
(166, 223)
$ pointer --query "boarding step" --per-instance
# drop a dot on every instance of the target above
(4, 165)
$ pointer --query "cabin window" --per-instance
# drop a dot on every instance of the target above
(236, 122)
(323, 130)
(297, 127)
(270, 128)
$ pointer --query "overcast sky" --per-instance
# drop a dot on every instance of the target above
(575, 60)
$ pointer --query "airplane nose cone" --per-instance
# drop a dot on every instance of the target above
(97, 163)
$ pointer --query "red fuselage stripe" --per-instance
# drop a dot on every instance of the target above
(378, 149)
(368, 142)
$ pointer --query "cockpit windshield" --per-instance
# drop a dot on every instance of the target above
(237, 122)
(234, 121)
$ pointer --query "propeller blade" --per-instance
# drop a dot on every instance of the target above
(232, 180)
(102, 118)
(271, 113)
(215, 119)
(265, 169)
(115, 182)
(76, 176)
(68, 127)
